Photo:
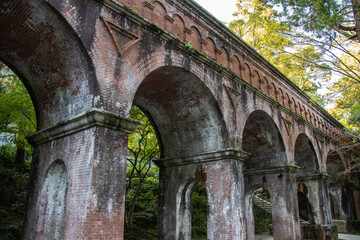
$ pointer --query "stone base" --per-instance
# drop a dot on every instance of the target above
(347, 226)
(320, 232)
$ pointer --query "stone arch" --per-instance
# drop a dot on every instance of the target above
(178, 27)
(195, 39)
(316, 120)
(52, 203)
(334, 167)
(247, 73)
(262, 138)
(303, 112)
(297, 107)
(159, 13)
(293, 104)
(209, 48)
(235, 65)
(272, 90)
(305, 156)
(180, 103)
(309, 184)
(256, 79)
(285, 99)
(308, 115)
(279, 95)
(222, 57)
(183, 208)
(49, 58)
(264, 85)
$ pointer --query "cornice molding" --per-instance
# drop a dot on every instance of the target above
(271, 170)
(225, 154)
(92, 118)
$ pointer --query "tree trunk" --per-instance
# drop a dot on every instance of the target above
(20, 156)
(356, 12)
(133, 202)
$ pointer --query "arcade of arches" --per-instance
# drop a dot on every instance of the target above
(225, 117)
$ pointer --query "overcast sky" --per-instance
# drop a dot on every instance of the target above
(221, 9)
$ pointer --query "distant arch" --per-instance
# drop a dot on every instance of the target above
(159, 13)
(195, 39)
(235, 65)
(263, 140)
(305, 156)
(209, 48)
(178, 27)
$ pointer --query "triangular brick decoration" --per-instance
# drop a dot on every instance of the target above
(288, 124)
(234, 95)
(122, 38)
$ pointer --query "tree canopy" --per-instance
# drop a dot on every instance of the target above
(261, 27)
(17, 114)
(318, 16)
(314, 43)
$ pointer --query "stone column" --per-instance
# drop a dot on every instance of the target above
(343, 209)
(92, 148)
(321, 228)
(338, 215)
(221, 174)
(281, 184)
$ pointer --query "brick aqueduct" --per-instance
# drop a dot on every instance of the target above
(224, 117)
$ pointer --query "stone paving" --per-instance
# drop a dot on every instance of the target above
(349, 237)
(341, 237)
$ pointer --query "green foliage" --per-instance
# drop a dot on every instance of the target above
(146, 206)
(259, 25)
(189, 46)
(199, 212)
(262, 220)
(319, 16)
(17, 114)
(142, 180)
(17, 121)
(13, 190)
(143, 146)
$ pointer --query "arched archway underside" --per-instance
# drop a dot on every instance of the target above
(263, 140)
(45, 52)
(305, 156)
(185, 113)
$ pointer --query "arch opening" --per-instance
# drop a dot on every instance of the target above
(306, 212)
(305, 156)
(187, 121)
(263, 140)
(142, 180)
(260, 216)
(184, 112)
(199, 212)
(336, 170)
